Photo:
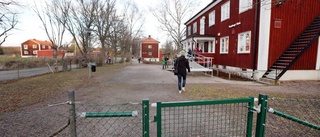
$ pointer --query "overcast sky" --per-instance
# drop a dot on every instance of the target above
(30, 27)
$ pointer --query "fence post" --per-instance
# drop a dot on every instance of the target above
(72, 113)
(145, 118)
(250, 117)
(159, 115)
(261, 118)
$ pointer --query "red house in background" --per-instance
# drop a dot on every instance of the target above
(149, 49)
(37, 48)
(260, 39)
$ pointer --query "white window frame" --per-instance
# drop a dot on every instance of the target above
(212, 16)
(244, 5)
(25, 52)
(34, 46)
(189, 30)
(194, 27)
(43, 46)
(149, 46)
(224, 45)
(211, 47)
(150, 53)
(225, 11)
(244, 42)
(25, 46)
(202, 25)
(35, 52)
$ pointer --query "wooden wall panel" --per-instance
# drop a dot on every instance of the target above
(295, 16)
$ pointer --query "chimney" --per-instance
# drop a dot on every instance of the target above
(149, 36)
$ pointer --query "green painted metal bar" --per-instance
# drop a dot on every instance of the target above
(205, 102)
(261, 118)
(295, 119)
(145, 118)
(158, 116)
(250, 117)
(108, 114)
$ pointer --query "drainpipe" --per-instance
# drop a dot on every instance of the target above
(195, 42)
(255, 48)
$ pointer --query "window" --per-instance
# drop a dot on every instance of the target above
(211, 47)
(245, 5)
(195, 27)
(224, 44)
(202, 23)
(244, 42)
(34, 46)
(35, 52)
(26, 52)
(149, 46)
(150, 53)
(25, 46)
(212, 16)
(225, 11)
(189, 30)
(43, 46)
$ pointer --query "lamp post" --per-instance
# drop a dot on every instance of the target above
(88, 30)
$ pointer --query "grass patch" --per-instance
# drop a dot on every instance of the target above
(222, 91)
(29, 91)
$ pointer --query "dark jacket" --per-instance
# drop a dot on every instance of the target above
(183, 65)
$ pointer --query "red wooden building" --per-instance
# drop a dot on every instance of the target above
(149, 49)
(274, 39)
(37, 48)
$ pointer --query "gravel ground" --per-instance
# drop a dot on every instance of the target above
(139, 81)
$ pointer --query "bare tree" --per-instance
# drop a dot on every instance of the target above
(8, 19)
(171, 14)
(105, 15)
(80, 24)
(134, 19)
(53, 22)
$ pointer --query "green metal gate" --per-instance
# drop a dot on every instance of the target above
(225, 117)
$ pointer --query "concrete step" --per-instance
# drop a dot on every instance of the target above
(268, 81)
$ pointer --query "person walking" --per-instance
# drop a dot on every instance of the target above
(182, 65)
(163, 63)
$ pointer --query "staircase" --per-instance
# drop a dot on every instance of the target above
(294, 52)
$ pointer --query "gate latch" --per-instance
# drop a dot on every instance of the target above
(256, 109)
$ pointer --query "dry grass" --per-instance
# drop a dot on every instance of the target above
(216, 91)
(29, 91)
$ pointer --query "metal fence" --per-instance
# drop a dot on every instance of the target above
(40, 121)
(226, 117)
(293, 117)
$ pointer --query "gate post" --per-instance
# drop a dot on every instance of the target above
(261, 118)
(145, 118)
(72, 113)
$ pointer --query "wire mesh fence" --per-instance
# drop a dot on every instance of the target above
(119, 120)
(305, 109)
(43, 121)
(199, 119)
(228, 117)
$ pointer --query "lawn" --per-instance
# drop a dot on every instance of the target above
(29, 91)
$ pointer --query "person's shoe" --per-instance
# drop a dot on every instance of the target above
(183, 89)
(180, 91)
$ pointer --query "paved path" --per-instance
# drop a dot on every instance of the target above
(23, 73)
(138, 81)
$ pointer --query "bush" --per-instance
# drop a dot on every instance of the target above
(1, 51)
